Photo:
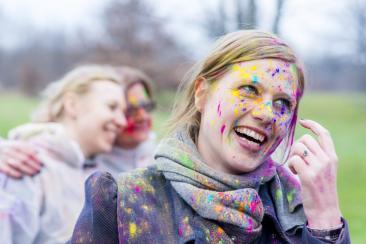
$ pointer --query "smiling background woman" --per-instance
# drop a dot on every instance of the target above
(216, 180)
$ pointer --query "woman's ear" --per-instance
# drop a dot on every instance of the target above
(200, 93)
(70, 103)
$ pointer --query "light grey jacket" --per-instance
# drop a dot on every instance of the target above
(43, 208)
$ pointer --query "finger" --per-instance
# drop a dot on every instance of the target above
(22, 158)
(27, 150)
(302, 151)
(20, 167)
(4, 168)
(297, 165)
(312, 144)
(323, 135)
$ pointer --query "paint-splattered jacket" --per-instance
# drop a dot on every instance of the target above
(148, 210)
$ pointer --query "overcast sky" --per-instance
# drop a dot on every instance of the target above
(311, 26)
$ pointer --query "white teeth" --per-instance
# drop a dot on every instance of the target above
(250, 133)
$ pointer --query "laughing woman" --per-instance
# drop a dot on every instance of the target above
(219, 175)
(80, 116)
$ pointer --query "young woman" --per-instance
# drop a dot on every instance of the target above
(215, 180)
(135, 144)
(80, 117)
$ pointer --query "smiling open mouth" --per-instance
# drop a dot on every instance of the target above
(250, 135)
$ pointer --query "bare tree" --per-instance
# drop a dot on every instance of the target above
(251, 20)
(230, 16)
(278, 16)
(358, 11)
(134, 36)
(216, 23)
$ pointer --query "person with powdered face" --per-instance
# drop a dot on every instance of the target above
(135, 144)
(219, 175)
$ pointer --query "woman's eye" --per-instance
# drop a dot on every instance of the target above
(250, 90)
(283, 105)
(113, 106)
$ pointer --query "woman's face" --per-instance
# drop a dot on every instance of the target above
(138, 118)
(99, 117)
(246, 114)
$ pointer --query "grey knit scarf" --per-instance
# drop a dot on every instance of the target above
(225, 198)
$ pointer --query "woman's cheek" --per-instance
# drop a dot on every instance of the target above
(242, 106)
(282, 123)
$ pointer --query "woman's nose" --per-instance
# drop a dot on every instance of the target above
(141, 113)
(263, 111)
(120, 119)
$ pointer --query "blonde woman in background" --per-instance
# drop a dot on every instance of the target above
(79, 117)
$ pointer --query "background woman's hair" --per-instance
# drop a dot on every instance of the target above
(78, 81)
(239, 46)
(131, 76)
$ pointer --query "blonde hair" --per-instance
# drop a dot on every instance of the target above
(77, 81)
(131, 76)
(239, 46)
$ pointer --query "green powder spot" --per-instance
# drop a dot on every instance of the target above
(290, 196)
(186, 161)
(278, 194)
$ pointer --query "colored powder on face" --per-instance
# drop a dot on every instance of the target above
(283, 110)
(137, 189)
(222, 129)
(131, 126)
(219, 109)
(132, 227)
(253, 68)
(246, 76)
(132, 100)
(269, 106)
(236, 111)
(275, 72)
(254, 79)
(235, 93)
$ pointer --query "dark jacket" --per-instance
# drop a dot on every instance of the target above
(146, 209)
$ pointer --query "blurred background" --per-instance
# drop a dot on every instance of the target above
(41, 40)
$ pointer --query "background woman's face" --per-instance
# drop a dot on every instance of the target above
(100, 116)
(247, 113)
(139, 120)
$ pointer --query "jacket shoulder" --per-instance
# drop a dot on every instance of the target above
(142, 180)
(97, 222)
(144, 204)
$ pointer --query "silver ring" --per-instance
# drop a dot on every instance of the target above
(305, 153)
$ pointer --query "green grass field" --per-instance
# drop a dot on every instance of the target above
(343, 114)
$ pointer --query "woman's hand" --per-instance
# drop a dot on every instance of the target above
(315, 162)
(19, 158)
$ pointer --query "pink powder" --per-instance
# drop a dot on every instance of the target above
(222, 128)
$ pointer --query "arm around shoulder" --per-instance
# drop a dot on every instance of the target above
(97, 222)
